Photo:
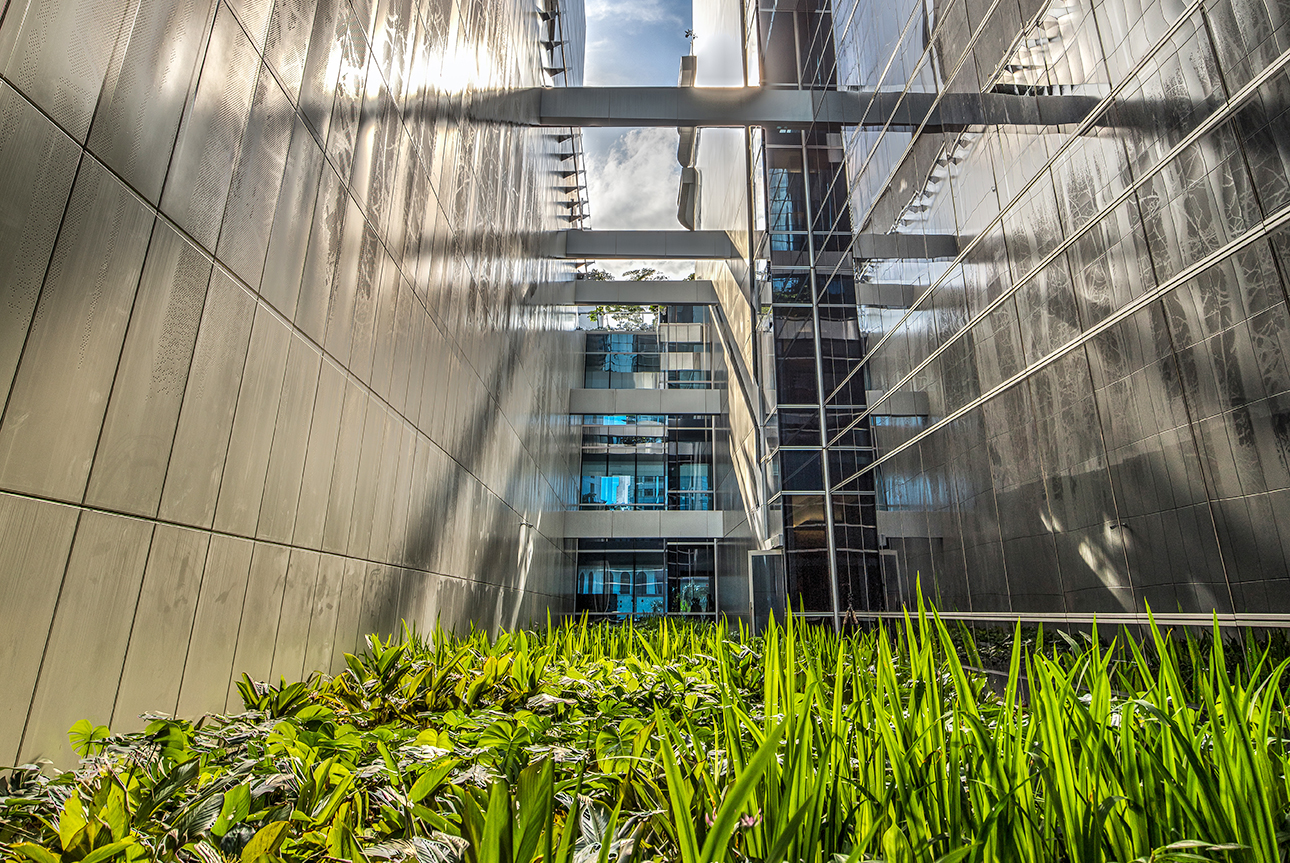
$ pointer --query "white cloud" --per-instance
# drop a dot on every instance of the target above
(669, 269)
(632, 182)
(633, 178)
(634, 11)
(635, 42)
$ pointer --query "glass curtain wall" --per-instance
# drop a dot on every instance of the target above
(623, 578)
(1104, 361)
(811, 335)
(674, 352)
(644, 463)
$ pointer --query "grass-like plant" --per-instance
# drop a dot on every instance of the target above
(686, 742)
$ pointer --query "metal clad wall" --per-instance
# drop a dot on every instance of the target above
(1126, 281)
(266, 380)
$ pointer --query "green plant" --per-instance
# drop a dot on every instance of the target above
(691, 742)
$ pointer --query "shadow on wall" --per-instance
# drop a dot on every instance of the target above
(495, 550)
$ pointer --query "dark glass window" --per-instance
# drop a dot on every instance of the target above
(800, 470)
(804, 522)
(808, 580)
(839, 290)
(799, 427)
(790, 287)
(795, 356)
(786, 190)
(620, 581)
(691, 577)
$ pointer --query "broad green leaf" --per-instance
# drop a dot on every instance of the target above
(85, 737)
(36, 853)
(108, 851)
(728, 815)
(497, 837)
(71, 822)
(237, 804)
(431, 779)
(114, 813)
(266, 841)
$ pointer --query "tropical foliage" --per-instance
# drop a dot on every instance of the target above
(688, 743)
(621, 317)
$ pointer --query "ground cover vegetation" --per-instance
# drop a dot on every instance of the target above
(595, 743)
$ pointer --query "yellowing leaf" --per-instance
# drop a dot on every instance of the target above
(36, 853)
(108, 851)
(71, 822)
(266, 842)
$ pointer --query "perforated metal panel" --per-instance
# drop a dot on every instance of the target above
(37, 166)
(260, 616)
(159, 646)
(296, 616)
(196, 465)
(91, 626)
(56, 53)
(151, 74)
(224, 324)
(35, 538)
(51, 424)
(291, 429)
(242, 485)
(143, 410)
(201, 170)
(208, 664)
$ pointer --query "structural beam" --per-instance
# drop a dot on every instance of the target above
(651, 402)
(592, 292)
(764, 106)
(642, 245)
(651, 524)
(687, 198)
(718, 246)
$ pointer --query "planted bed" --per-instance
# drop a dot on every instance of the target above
(690, 743)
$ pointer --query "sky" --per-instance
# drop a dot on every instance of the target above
(632, 174)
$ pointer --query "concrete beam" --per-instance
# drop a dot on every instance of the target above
(590, 292)
(717, 245)
(912, 403)
(653, 402)
(687, 199)
(648, 524)
(687, 147)
(642, 245)
(898, 246)
(764, 106)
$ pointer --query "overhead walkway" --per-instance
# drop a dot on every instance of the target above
(764, 106)
(642, 245)
(717, 245)
(645, 524)
(642, 401)
(597, 292)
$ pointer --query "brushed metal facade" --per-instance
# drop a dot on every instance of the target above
(1105, 360)
(269, 382)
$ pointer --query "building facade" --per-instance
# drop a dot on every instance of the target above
(1064, 396)
(270, 381)
(991, 303)
(650, 464)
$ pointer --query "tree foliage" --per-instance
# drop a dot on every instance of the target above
(625, 317)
